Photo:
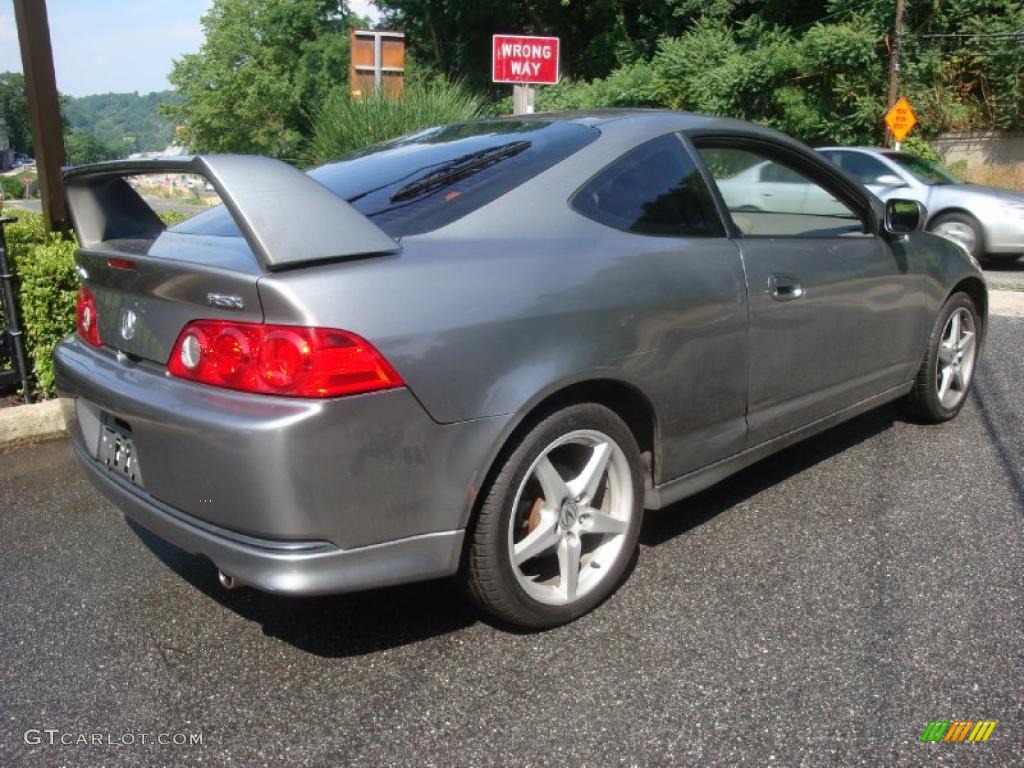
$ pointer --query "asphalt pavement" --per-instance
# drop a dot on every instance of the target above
(818, 609)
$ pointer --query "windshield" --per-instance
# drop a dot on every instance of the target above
(922, 170)
(428, 179)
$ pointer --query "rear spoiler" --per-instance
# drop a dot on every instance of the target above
(286, 217)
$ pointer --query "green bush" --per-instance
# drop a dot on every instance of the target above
(46, 283)
(47, 289)
(344, 125)
(12, 188)
(918, 147)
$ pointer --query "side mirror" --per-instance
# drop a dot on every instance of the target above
(890, 180)
(903, 217)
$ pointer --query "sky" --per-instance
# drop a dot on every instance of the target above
(117, 46)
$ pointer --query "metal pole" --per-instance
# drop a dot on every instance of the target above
(13, 329)
(44, 108)
(378, 62)
(522, 99)
(894, 64)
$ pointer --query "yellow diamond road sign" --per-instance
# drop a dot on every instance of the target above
(900, 119)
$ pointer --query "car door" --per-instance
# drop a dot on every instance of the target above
(690, 352)
(835, 311)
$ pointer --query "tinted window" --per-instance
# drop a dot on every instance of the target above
(653, 190)
(424, 181)
(864, 168)
(760, 205)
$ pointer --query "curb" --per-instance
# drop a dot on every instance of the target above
(1006, 303)
(48, 420)
(32, 423)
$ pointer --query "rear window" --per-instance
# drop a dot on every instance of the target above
(424, 181)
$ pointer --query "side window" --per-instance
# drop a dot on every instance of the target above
(864, 168)
(766, 197)
(779, 174)
(655, 189)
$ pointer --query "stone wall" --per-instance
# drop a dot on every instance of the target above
(979, 148)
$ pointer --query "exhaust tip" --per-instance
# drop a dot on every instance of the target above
(226, 581)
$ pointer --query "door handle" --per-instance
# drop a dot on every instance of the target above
(785, 287)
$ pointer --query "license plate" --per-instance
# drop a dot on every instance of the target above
(117, 450)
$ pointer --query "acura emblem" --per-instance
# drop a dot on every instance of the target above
(128, 325)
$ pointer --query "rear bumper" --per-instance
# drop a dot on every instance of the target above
(349, 472)
(284, 567)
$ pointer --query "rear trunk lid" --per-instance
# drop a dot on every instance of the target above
(147, 291)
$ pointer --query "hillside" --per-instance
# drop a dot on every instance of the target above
(127, 122)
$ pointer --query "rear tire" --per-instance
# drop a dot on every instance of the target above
(557, 528)
(944, 379)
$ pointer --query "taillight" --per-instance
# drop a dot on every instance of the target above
(87, 318)
(280, 359)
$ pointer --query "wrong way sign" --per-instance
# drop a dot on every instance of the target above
(525, 59)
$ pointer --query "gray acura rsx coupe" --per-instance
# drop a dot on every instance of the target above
(484, 349)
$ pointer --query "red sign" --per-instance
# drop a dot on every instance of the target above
(523, 59)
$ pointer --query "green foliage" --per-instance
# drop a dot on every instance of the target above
(44, 268)
(632, 85)
(127, 122)
(816, 69)
(824, 86)
(343, 124)
(12, 187)
(265, 66)
(14, 110)
(915, 145)
(81, 147)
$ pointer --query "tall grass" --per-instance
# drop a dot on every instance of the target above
(343, 124)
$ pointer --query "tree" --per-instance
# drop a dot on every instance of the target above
(14, 110)
(81, 147)
(263, 69)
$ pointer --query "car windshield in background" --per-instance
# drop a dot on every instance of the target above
(423, 181)
(922, 170)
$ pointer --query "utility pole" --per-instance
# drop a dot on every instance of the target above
(894, 64)
(43, 108)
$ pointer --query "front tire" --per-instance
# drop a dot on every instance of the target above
(558, 525)
(947, 371)
(962, 229)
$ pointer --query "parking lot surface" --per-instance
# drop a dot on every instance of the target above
(818, 609)
(1006, 275)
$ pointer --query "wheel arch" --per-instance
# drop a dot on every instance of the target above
(975, 288)
(621, 397)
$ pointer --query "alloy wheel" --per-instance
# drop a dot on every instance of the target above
(954, 364)
(570, 517)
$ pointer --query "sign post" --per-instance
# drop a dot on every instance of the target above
(524, 60)
(900, 120)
